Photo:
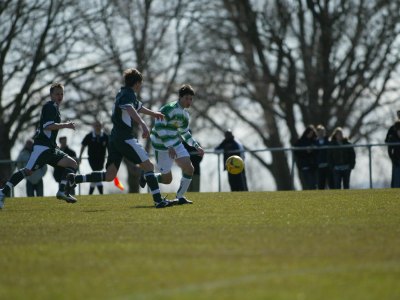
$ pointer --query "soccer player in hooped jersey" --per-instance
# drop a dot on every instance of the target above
(166, 138)
(122, 142)
(45, 150)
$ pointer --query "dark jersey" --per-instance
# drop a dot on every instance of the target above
(122, 122)
(97, 145)
(50, 115)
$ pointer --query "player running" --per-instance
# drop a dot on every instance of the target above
(166, 138)
(123, 143)
(45, 150)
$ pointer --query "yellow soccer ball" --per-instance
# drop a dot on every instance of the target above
(234, 164)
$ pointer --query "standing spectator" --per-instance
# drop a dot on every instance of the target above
(391, 134)
(97, 142)
(306, 158)
(392, 131)
(342, 160)
(58, 171)
(324, 174)
(394, 154)
(34, 182)
(196, 159)
(45, 150)
(230, 146)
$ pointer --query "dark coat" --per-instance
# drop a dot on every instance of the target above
(342, 156)
(306, 159)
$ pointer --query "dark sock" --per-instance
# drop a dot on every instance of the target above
(92, 177)
(153, 185)
(16, 178)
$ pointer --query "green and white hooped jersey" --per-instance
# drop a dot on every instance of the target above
(175, 127)
(122, 122)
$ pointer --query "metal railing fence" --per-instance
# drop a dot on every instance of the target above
(289, 152)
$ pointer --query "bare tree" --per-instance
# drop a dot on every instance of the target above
(38, 45)
(278, 64)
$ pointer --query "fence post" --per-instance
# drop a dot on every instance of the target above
(219, 171)
(370, 165)
(292, 169)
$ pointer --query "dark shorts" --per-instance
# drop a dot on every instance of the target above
(42, 155)
(129, 149)
(96, 164)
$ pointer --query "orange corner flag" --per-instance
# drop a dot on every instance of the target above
(118, 184)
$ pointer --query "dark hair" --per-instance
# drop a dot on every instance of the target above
(309, 128)
(56, 85)
(186, 89)
(132, 76)
(335, 131)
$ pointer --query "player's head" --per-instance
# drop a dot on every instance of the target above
(57, 92)
(186, 93)
(97, 126)
(133, 78)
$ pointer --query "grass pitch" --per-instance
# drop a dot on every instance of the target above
(266, 245)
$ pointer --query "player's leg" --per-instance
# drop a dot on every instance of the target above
(39, 188)
(164, 165)
(135, 153)
(112, 167)
(30, 189)
(38, 157)
(69, 166)
(113, 162)
(91, 188)
(16, 178)
(187, 173)
(96, 166)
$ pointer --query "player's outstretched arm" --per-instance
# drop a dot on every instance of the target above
(58, 126)
(155, 114)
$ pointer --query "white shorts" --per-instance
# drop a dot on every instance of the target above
(164, 162)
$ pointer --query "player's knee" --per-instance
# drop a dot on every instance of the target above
(188, 169)
(110, 175)
(167, 179)
(73, 164)
(147, 166)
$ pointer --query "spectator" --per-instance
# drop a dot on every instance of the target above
(58, 171)
(392, 131)
(394, 154)
(231, 147)
(97, 142)
(342, 160)
(306, 159)
(324, 174)
(196, 159)
(34, 182)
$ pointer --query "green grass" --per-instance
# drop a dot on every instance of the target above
(271, 245)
